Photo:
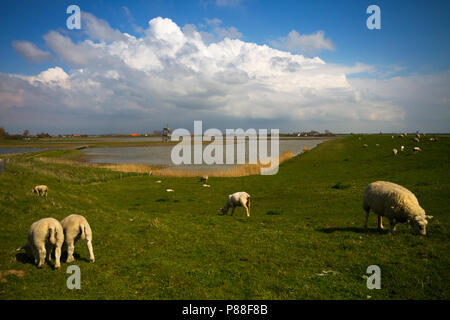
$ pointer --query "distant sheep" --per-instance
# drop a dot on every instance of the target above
(204, 179)
(418, 136)
(416, 149)
(396, 203)
(238, 199)
(377, 144)
(433, 139)
(365, 145)
(44, 236)
(394, 151)
(170, 190)
(76, 227)
(41, 190)
(402, 148)
(416, 140)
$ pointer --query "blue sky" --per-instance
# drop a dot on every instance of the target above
(412, 44)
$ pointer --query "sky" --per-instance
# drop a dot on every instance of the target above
(135, 66)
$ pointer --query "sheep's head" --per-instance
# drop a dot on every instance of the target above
(224, 210)
(419, 224)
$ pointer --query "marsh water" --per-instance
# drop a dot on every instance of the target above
(19, 150)
(161, 154)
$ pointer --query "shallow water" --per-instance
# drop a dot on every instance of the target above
(19, 150)
(161, 155)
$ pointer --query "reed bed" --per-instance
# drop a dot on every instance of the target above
(240, 170)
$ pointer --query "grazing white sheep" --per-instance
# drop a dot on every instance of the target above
(206, 185)
(418, 136)
(76, 227)
(204, 179)
(41, 190)
(416, 149)
(416, 140)
(402, 148)
(394, 151)
(44, 236)
(365, 145)
(377, 144)
(396, 203)
(159, 181)
(433, 139)
(237, 199)
(392, 137)
(169, 190)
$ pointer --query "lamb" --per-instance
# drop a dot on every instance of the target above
(402, 148)
(40, 190)
(76, 227)
(394, 151)
(44, 236)
(416, 149)
(238, 199)
(396, 203)
(204, 179)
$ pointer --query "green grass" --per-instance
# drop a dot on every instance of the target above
(150, 244)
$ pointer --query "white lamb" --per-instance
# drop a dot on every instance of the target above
(402, 148)
(41, 190)
(238, 199)
(396, 203)
(416, 149)
(75, 228)
(394, 151)
(44, 236)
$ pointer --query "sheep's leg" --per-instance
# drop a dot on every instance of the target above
(70, 250)
(391, 226)
(35, 254)
(380, 222)
(49, 253)
(42, 253)
(232, 210)
(57, 257)
(91, 250)
(246, 209)
(367, 220)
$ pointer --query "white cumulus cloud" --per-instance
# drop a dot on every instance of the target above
(170, 74)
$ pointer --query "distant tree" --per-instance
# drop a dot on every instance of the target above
(43, 135)
(3, 133)
(26, 133)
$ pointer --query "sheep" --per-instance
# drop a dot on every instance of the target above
(418, 136)
(40, 190)
(402, 148)
(204, 179)
(237, 199)
(394, 151)
(433, 139)
(377, 144)
(169, 190)
(396, 203)
(365, 145)
(401, 135)
(44, 236)
(416, 140)
(416, 149)
(76, 227)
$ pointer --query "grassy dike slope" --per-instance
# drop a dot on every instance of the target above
(150, 244)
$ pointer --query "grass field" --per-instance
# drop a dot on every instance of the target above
(307, 219)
